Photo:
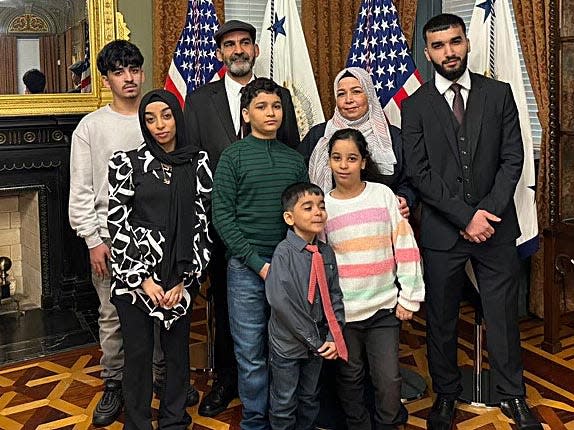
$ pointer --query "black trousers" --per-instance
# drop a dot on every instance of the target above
(225, 363)
(496, 270)
(373, 344)
(294, 391)
(138, 335)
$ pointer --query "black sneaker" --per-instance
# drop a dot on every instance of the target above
(110, 405)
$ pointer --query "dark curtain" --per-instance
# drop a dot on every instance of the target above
(532, 19)
(49, 62)
(66, 58)
(8, 71)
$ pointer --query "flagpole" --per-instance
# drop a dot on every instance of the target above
(492, 43)
(272, 9)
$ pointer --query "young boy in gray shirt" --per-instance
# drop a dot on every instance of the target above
(307, 312)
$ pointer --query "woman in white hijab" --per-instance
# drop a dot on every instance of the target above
(358, 107)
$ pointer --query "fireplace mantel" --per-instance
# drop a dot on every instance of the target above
(35, 152)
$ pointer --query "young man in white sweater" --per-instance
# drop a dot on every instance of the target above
(99, 134)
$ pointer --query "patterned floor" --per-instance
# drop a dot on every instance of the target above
(61, 391)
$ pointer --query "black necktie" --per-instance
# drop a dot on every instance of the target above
(240, 131)
(244, 128)
(457, 103)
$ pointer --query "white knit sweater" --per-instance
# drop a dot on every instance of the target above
(374, 246)
(97, 136)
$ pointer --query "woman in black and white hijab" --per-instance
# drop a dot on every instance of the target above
(159, 202)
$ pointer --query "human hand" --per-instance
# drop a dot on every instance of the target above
(403, 314)
(465, 235)
(264, 270)
(479, 229)
(328, 351)
(173, 296)
(99, 257)
(154, 291)
(403, 207)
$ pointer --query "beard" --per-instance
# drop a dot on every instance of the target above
(451, 74)
(239, 68)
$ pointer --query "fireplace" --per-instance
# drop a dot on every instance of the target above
(50, 265)
(22, 235)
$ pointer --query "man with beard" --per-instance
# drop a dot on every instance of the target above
(464, 154)
(212, 115)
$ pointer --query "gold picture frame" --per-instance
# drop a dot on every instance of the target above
(105, 25)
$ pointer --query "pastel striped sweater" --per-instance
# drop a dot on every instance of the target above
(374, 245)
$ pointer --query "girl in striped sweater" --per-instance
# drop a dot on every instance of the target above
(380, 276)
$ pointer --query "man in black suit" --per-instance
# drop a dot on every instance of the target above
(464, 154)
(212, 115)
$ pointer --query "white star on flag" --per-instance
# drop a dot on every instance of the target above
(378, 42)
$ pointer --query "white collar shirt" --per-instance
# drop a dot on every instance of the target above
(233, 91)
(443, 86)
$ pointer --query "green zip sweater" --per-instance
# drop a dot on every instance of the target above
(250, 177)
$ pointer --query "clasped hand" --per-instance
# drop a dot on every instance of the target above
(328, 351)
(479, 228)
(403, 314)
(159, 297)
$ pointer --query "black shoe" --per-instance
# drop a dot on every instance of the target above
(217, 400)
(442, 413)
(110, 405)
(192, 398)
(517, 410)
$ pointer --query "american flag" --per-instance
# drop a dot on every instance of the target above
(86, 82)
(380, 47)
(194, 61)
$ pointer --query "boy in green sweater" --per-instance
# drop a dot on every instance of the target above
(250, 177)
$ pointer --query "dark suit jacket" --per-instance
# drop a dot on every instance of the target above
(434, 167)
(210, 126)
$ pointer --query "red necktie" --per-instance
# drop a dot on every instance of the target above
(318, 277)
(457, 103)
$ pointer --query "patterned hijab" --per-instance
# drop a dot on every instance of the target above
(178, 251)
(373, 125)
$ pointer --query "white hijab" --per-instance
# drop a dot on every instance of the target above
(373, 125)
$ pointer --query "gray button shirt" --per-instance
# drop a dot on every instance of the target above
(297, 327)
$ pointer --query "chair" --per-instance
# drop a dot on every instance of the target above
(206, 295)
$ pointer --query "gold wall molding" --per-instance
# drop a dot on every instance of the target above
(105, 25)
(28, 23)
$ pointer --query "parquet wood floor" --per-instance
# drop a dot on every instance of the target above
(61, 391)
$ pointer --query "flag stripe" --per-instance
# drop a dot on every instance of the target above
(86, 78)
(379, 46)
(194, 61)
